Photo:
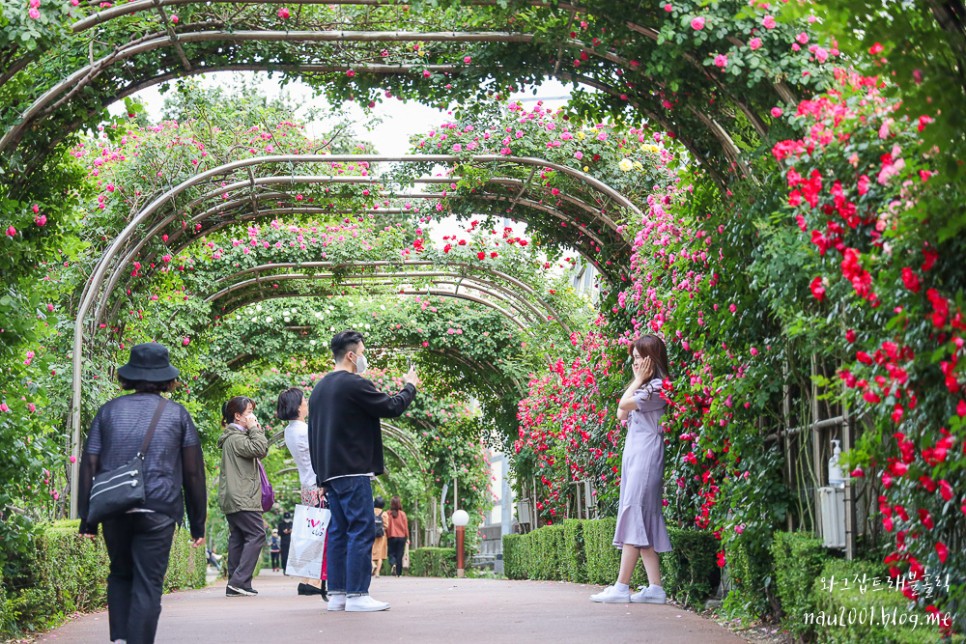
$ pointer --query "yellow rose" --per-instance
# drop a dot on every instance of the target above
(626, 165)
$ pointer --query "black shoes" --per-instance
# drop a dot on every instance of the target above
(238, 591)
(309, 589)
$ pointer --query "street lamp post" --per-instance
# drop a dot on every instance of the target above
(460, 519)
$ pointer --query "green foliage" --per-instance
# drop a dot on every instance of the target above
(602, 558)
(516, 556)
(750, 567)
(799, 559)
(547, 560)
(574, 552)
(689, 572)
(432, 562)
(67, 573)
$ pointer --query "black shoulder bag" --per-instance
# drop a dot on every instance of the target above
(121, 489)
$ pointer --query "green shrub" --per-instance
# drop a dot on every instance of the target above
(432, 562)
(602, 558)
(547, 553)
(799, 557)
(516, 556)
(583, 551)
(574, 552)
(836, 603)
(68, 573)
(690, 572)
(750, 565)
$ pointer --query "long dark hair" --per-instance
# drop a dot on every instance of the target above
(395, 506)
(653, 347)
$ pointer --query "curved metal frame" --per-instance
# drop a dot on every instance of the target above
(92, 287)
(411, 263)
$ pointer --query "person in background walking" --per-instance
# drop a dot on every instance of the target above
(139, 541)
(379, 545)
(640, 531)
(242, 443)
(345, 438)
(284, 528)
(275, 548)
(293, 406)
(398, 532)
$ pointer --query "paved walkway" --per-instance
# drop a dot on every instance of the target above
(424, 610)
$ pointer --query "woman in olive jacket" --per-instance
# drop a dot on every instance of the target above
(242, 442)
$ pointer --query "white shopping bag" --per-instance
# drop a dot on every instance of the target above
(308, 542)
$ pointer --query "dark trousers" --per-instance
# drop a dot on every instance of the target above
(352, 530)
(285, 545)
(397, 547)
(138, 546)
(275, 557)
(246, 536)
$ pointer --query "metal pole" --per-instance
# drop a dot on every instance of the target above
(460, 536)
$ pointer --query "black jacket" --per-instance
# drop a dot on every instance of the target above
(173, 462)
(344, 433)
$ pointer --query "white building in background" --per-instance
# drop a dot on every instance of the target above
(584, 280)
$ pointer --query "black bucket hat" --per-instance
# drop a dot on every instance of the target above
(148, 362)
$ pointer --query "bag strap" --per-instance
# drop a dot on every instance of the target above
(151, 428)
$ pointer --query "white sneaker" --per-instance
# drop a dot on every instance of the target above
(336, 602)
(364, 604)
(649, 595)
(611, 595)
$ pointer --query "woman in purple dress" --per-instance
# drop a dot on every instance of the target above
(640, 529)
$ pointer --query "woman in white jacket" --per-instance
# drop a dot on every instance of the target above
(293, 406)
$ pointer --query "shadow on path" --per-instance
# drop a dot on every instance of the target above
(424, 609)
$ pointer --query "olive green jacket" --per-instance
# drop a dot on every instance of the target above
(239, 485)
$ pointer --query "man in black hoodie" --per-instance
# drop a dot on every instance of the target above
(345, 441)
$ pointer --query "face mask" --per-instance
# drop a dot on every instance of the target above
(361, 364)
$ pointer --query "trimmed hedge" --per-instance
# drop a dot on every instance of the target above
(690, 571)
(574, 553)
(582, 551)
(841, 604)
(799, 558)
(432, 562)
(69, 574)
(516, 556)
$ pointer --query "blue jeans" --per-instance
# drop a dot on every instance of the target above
(352, 529)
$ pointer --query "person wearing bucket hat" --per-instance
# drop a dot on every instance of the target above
(139, 541)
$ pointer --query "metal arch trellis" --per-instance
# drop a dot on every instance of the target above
(175, 37)
(516, 302)
(549, 311)
(250, 204)
(94, 283)
(170, 196)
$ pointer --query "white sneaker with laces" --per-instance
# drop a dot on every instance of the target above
(611, 595)
(649, 595)
(336, 602)
(364, 604)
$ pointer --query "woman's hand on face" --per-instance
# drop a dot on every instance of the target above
(250, 421)
(643, 369)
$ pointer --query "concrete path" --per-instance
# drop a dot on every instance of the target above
(424, 610)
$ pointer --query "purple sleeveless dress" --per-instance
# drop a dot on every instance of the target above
(640, 519)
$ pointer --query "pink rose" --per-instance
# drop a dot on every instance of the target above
(283, 13)
(776, 112)
(720, 60)
(754, 43)
(697, 23)
(769, 22)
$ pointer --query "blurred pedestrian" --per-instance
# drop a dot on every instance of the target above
(397, 530)
(379, 545)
